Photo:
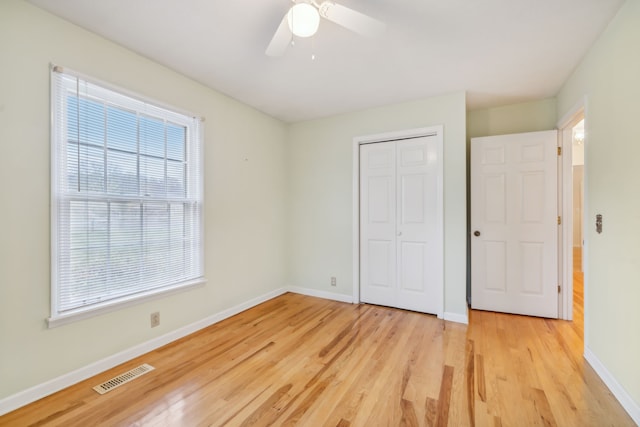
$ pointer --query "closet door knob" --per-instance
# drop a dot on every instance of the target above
(476, 233)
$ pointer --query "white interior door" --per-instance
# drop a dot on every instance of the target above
(514, 224)
(401, 224)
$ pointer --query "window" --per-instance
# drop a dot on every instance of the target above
(126, 198)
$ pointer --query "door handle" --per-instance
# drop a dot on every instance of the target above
(476, 233)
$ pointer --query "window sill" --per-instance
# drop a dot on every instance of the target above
(109, 306)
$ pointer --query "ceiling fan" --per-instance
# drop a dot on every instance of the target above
(303, 18)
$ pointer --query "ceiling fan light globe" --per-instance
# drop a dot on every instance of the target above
(303, 20)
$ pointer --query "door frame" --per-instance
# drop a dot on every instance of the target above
(436, 131)
(565, 140)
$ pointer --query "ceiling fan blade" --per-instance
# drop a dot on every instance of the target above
(350, 19)
(281, 39)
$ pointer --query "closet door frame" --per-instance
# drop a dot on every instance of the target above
(432, 131)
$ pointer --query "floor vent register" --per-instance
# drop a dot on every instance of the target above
(123, 378)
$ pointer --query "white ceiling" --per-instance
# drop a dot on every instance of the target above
(499, 51)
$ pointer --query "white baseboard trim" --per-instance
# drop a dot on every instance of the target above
(39, 391)
(321, 294)
(457, 317)
(629, 405)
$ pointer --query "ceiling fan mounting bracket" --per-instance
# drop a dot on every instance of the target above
(323, 9)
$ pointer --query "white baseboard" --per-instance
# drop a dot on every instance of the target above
(321, 294)
(457, 317)
(629, 405)
(39, 391)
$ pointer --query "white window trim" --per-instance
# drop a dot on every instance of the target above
(58, 318)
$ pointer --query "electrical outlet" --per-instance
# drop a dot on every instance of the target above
(333, 281)
(155, 319)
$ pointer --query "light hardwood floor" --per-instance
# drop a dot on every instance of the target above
(298, 360)
(577, 258)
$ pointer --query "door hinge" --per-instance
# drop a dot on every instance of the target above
(559, 220)
(559, 151)
(558, 288)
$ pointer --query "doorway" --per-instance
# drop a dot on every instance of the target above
(577, 160)
(573, 140)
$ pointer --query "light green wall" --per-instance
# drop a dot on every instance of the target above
(517, 118)
(244, 197)
(320, 192)
(609, 76)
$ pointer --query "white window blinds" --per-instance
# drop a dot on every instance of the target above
(126, 197)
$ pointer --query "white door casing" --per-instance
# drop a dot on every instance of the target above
(401, 224)
(514, 224)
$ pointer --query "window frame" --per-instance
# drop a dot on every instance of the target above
(194, 188)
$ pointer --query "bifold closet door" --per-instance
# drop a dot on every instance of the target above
(400, 262)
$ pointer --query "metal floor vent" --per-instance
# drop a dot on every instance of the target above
(123, 378)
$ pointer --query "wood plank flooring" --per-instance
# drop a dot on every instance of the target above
(298, 360)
